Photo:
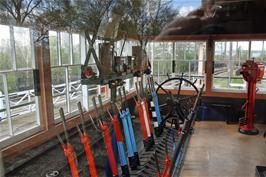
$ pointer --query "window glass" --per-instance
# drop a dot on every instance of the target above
(227, 60)
(105, 92)
(5, 49)
(65, 48)
(76, 49)
(189, 59)
(18, 110)
(23, 47)
(4, 130)
(92, 91)
(59, 90)
(53, 46)
(75, 90)
(22, 100)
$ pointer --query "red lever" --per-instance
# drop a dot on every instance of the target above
(117, 128)
(179, 132)
(148, 115)
(167, 166)
(109, 149)
(85, 141)
(142, 121)
(68, 151)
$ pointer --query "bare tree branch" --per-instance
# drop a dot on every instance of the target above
(29, 10)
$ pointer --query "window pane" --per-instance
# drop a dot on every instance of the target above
(23, 118)
(258, 52)
(53, 48)
(155, 67)
(180, 48)
(5, 49)
(20, 81)
(182, 67)
(165, 67)
(256, 49)
(76, 49)
(4, 131)
(105, 92)
(92, 91)
(262, 85)
(23, 47)
(65, 48)
(264, 51)
(22, 100)
(162, 50)
(228, 58)
(243, 50)
(189, 59)
(59, 90)
(75, 89)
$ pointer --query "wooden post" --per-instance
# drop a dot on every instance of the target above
(46, 108)
(209, 64)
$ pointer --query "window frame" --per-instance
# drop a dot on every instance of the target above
(174, 59)
(22, 134)
(250, 40)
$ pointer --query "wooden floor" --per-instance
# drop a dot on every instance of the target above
(218, 150)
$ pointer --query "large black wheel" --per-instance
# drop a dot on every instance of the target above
(176, 106)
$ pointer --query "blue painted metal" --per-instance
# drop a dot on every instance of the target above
(123, 117)
(121, 151)
(131, 131)
(180, 157)
(156, 105)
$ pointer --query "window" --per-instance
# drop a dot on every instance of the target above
(228, 58)
(18, 104)
(66, 71)
(161, 55)
(187, 57)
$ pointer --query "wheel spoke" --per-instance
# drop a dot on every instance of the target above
(161, 88)
(163, 105)
(179, 88)
(177, 105)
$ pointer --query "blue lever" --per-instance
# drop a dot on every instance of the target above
(127, 134)
(122, 155)
(157, 109)
(131, 131)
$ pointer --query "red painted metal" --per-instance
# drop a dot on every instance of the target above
(109, 149)
(148, 115)
(117, 129)
(69, 153)
(142, 121)
(167, 166)
(252, 72)
(91, 164)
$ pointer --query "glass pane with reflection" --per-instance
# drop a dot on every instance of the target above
(4, 130)
(59, 90)
(23, 47)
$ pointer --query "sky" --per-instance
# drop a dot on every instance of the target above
(186, 6)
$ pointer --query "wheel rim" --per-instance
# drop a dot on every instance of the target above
(176, 105)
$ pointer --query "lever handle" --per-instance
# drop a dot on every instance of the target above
(62, 115)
